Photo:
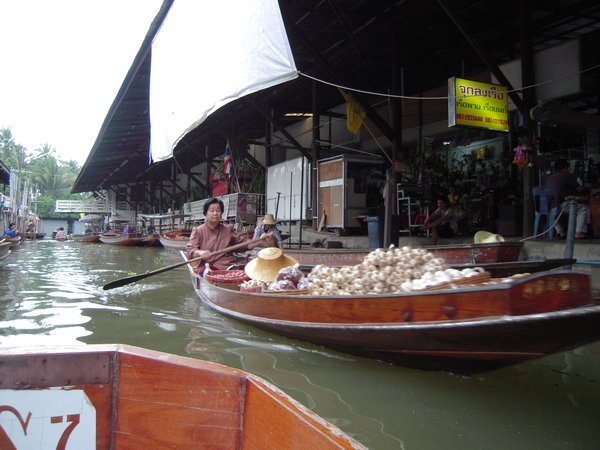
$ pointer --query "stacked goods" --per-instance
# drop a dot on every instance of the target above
(389, 271)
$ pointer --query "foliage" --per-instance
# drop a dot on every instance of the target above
(51, 178)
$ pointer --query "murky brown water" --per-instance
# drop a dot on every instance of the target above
(51, 294)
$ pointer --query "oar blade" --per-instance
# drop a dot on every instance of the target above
(122, 282)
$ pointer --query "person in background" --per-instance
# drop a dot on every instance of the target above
(61, 235)
(126, 229)
(213, 236)
(442, 222)
(30, 226)
(566, 185)
(268, 228)
(11, 230)
(88, 228)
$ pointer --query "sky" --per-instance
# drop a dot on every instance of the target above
(63, 62)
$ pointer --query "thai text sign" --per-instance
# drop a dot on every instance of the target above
(476, 104)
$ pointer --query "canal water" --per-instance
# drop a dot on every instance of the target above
(51, 294)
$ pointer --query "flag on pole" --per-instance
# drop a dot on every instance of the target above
(227, 162)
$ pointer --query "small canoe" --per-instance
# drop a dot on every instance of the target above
(85, 237)
(118, 396)
(464, 329)
(121, 239)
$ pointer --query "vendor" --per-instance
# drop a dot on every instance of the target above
(442, 222)
(267, 229)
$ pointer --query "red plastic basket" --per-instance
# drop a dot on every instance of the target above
(230, 279)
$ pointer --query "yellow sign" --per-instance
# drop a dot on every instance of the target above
(476, 104)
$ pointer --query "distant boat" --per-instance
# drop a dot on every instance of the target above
(32, 236)
(118, 396)
(121, 239)
(175, 240)
(85, 237)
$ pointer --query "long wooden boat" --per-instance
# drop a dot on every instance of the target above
(501, 259)
(5, 249)
(121, 239)
(85, 237)
(468, 329)
(118, 396)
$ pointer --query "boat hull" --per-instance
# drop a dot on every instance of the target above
(148, 399)
(467, 330)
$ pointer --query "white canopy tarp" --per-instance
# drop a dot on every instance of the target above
(207, 54)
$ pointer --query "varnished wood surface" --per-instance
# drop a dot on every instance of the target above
(148, 399)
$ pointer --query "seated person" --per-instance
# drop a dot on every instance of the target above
(566, 185)
(442, 222)
(126, 230)
(30, 226)
(213, 236)
(268, 226)
(61, 235)
(11, 230)
(88, 228)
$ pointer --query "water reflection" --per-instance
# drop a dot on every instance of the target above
(52, 295)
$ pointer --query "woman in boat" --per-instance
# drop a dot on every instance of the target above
(213, 236)
(268, 226)
(60, 234)
(442, 222)
(11, 230)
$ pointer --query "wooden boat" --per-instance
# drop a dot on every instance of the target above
(118, 396)
(121, 239)
(5, 249)
(175, 240)
(466, 330)
(501, 259)
(85, 237)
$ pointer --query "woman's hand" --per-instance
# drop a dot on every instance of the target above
(200, 254)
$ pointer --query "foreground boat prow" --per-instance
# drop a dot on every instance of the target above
(117, 396)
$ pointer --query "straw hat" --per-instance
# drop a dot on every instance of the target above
(485, 237)
(269, 220)
(267, 264)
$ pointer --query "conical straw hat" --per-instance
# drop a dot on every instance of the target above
(267, 264)
(485, 237)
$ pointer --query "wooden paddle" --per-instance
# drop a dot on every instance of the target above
(132, 279)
